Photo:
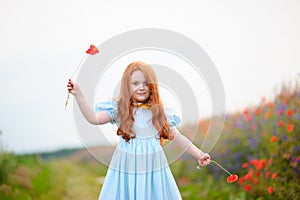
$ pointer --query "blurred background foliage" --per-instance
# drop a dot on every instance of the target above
(260, 144)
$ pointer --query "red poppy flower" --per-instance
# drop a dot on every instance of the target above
(245, 165)
(258, 173)
(273, 139)
(280, 123)
(92, 50)
(274, 175)
(255, 181)
(248, 176)
(240, 181)
(257, 112)
(254, 162)
(290, 128)
(247, 187)
(280, 112)
(267, 115)
(271, 105)
(184, 180)
(201, 122)
(270, 190)
(261, 164)
(248, 118)
(289, 113)
(232, 178)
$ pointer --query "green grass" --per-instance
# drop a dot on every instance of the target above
(53, 179)
(73, 180)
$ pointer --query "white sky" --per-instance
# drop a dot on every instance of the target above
(254, 45)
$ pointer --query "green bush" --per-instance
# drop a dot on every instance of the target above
(7, 166)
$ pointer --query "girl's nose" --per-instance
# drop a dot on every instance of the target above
(142, 86)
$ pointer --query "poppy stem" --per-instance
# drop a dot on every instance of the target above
(221, 167)
(67, 101)
(78, 67)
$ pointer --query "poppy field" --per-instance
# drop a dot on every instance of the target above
(261, 145)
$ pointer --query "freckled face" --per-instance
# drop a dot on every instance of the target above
(139, 87)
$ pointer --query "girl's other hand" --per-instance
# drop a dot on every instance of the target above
(204, 160)
(72, 87)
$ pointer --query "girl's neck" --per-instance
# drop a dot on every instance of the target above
(136, 103)
(141, 104)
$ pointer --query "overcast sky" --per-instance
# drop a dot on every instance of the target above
(254, 45)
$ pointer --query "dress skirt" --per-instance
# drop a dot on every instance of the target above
(139, 171)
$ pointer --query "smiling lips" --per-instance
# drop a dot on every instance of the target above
(140, 96)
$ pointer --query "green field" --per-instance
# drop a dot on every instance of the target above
(62, 178)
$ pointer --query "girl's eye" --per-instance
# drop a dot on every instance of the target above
(139, 83)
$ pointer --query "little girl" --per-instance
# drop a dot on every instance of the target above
(139, 169)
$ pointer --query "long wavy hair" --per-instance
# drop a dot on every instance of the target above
(126, 104)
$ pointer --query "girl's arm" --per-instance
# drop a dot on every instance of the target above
(92, 117)
(185, 143)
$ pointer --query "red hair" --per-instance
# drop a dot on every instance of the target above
(125, 103)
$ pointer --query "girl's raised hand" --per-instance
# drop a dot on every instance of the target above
(204, 160)
(72, 87)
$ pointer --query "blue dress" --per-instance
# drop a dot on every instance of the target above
(139, 169)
